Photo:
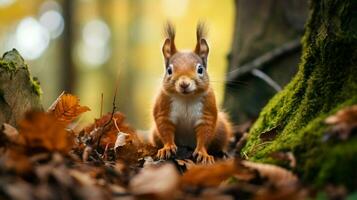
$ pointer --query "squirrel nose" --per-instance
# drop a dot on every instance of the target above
(184, 85)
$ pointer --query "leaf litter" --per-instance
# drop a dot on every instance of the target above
(44, 159)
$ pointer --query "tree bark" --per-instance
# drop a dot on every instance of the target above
(19, 92)
(261, 27)
(326, 82)
(69, 71)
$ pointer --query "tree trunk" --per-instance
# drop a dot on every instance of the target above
(19, 92)
(69, 71)
(260, 27)
(326, 82)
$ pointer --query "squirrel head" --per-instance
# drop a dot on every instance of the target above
(185, 71)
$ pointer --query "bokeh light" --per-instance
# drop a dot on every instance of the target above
(174, 8)
(4, 3)
(53, 21)
(94, 49)
(31, 38)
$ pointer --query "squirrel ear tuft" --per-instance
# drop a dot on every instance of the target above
(202, 48)
(169, 48)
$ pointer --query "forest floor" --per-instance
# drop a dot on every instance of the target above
(47, 157)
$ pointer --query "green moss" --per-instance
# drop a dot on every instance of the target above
(8, 66)
(325, 83)
(13, 62)
(36, 87)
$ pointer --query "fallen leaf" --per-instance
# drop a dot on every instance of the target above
(209, 175)
(289, 191)
(109, 127)
(17, 161)
(159, 182)
(121, 140)
(41, 130)
(9, 134)
(66, 108)
(343, 122)
(285, 156)
(275, 174)
(269, 135)
(83, 178)
(19, 190)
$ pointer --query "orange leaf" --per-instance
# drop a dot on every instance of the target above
(42, 130)
(66, 108)
(209, 175)
(111, 129)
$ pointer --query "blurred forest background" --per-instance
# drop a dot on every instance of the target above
(80, 45)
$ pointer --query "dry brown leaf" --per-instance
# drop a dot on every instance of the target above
(9, 134)
(16, 160)
(344, 121)
(121, 139)
(110, 130)
(290, 192)
(66, 108)
(209, 175)
(285, 156)
(275, 174)
(159, 182)
(270, 134)
(83, 178)
(42, 130)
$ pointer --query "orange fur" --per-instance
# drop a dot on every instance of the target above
(185, 110)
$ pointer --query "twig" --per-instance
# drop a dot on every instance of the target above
(113, 111)
(116, 125)
(101, 105)
(264, 59)
(53, 105)
(260, 74)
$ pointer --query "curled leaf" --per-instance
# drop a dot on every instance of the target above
(343, 122)
(121, 140)
(275, 174)
(66, 108)
(209, 175)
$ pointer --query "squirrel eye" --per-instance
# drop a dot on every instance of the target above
(200, 69)
(169, 70)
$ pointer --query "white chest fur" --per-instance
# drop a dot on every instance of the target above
(186, 114)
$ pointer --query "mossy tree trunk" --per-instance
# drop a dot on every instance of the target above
(19, 91)
(260, 27)
(326, 82)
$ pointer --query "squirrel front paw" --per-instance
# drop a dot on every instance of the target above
(166, 151)
(203, 157)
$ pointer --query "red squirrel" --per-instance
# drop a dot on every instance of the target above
(185, 111)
